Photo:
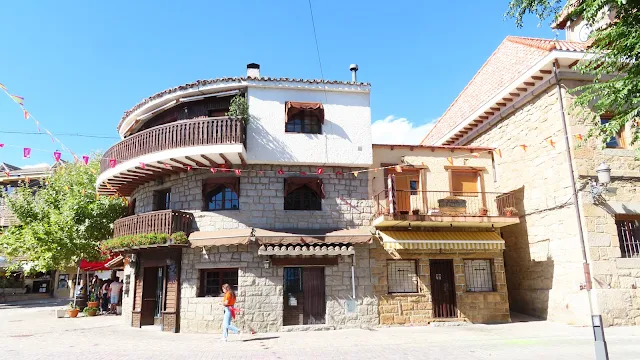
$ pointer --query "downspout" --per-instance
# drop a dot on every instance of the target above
(353, 275)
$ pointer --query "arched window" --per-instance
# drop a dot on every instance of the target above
(306, 118)
(303, 194)
(221, 194)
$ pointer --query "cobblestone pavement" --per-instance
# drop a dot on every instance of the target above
(31, 331)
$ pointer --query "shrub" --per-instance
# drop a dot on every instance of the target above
(129, 241)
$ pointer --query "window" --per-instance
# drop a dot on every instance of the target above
(617, 141)
(222, 198)
(629, 235)
(413, 186)
(292, 280)
(162, 199)
(464, 183)
(401, 276)
(131, 210)
(211, 281)
(305, 122)
(303, 198)
(477, 275)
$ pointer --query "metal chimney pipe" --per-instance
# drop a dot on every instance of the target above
(354, 70)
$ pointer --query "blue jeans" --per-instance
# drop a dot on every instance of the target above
(226, 323)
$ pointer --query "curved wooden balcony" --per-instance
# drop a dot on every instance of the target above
(171, 148)
(160, 222)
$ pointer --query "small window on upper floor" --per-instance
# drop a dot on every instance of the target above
(303, 194)
(464, 183)
(162, 199)
(221, 193)
(305, 118)
(617, 141)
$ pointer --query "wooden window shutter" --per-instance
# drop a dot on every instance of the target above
(464, 181)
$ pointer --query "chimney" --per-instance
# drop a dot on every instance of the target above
(354, 70)
(253, 70)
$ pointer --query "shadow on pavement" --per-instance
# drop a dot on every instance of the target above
(33, 304)
(261, 338)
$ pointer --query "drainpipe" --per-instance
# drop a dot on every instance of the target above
(353, 276)
(596, 320)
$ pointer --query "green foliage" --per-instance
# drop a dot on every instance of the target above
(129, 241)
(63, 221)
(613, 61)
(8, 282)
(88, 309)
(239, 108)
(70, 306)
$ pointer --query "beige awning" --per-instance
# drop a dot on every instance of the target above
(449, 240)
(313, 236)
(220, 237)
(311, 250)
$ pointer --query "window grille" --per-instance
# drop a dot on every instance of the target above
(211, 281)
(629, 237)
(402, 277)
(477, 275)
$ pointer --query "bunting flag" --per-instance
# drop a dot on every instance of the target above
(7, 174)
(143, 166)
(53, 140)
(3, 87)
(450, 160)
(26, 153)
(189, 167)
(75, 159)
(398, 168)
(475, 155)
(579, 137)
(280, 172)
(355, 173)
(18, 99)
(1, 145)
(238, 172)
(112, 163)
(260, 172)
(524, 147)
(26, 114)
(320, 171)
(57, 155)
(498, 152)
(338, 172)
(213, 170)
(303, 173)
(27, 180)
(85, 159)
(551, 142)
(38, 126)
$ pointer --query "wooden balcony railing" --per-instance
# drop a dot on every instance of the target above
(446, 203)
(160, 222)
(186, 133)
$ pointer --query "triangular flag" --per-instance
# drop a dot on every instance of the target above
(475, 155)
(26, 114)
(27, 180)
(280, 172)
(75, 158)
(579, 137)
(551, 142)
(355, 173)
(499, 152)
(167, 165)
(57, 155)
(398, 168)
(143, 166)
(524, 147)
(213, 170)
(53, 140)
(85, 159)
(450, 160)
(3, 87)
(26, 153)
(8, 174)
(260, 172)
(320, 171)
(338, 172)
(18, 99)
(303, 173)
(223, 166)
(189, 167)
(238, 172)
(38, 125)
(1, 145)
(112, 164)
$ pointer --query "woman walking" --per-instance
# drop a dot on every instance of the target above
(228, 301)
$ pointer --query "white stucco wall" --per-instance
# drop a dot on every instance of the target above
(345, 138)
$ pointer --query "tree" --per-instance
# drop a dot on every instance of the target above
(613, 59)
(61, 222)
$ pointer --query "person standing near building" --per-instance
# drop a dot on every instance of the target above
(105, 295)
(114, 290)
(228, 302)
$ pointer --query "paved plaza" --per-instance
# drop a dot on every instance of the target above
(30, 331)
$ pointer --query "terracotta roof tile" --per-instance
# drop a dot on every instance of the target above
(510, 60)
(200, 83)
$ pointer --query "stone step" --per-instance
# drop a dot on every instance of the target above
(293, 328)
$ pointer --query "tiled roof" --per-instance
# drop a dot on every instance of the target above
(563, 16)
(8, 167)
(509, 61)
(200, 83)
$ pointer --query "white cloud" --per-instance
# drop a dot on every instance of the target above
(35, 166)
(393, 130)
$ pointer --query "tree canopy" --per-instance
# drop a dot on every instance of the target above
(62, 221)
(612, 59)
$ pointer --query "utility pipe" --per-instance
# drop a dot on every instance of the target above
(353, 276)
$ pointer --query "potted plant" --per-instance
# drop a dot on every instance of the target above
(483, 211)
(90, 311)
(415, 211)
(92, 301)
(510, 211)
(73, 310)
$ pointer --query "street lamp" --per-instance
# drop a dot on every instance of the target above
(597, 188)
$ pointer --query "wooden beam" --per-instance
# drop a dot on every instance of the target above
(244, 162)
(159, 169)
(521, 89)
(514, 94)
(528, 83)
(478, 121)
(547, 72)
(537, 78)
(506, 99)
(573, 64)
(196, 162)
(226, 161)
(495, 108)
(489, 113)
(180, 162)
(210, 161)
(501, 104)
(483, 117)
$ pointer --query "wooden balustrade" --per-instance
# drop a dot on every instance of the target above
(179, 134)
(160, 222)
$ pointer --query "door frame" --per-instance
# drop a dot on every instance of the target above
(304, 303)
(442, 307)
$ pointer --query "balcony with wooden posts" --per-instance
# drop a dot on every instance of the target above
(208, 142)
(155, 222)
(415, 208)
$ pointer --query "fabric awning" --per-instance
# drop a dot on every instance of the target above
(313, 250)
(220, 237)
(294, 107)
(94, 265)
(450, 240)
(313, 236)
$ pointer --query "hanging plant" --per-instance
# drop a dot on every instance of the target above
(239, 108)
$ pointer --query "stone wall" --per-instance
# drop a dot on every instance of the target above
(401, 309)
(127, 297)
(260, 291)
(261, 200)
(543, 258)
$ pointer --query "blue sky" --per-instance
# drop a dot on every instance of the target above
(79, 65)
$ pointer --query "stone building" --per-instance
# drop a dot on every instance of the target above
(513, 104)
(267, 198)
(441, 253)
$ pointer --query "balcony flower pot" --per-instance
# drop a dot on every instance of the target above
(483, 211)
(452, 205)
(90, 311)
(92, 303)
(510, 211)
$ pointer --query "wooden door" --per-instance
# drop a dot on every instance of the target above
(407, 184)
(314, 299)
(443, 289)
(149, 293)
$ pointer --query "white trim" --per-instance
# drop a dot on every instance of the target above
(159, 110)
(442, 241)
